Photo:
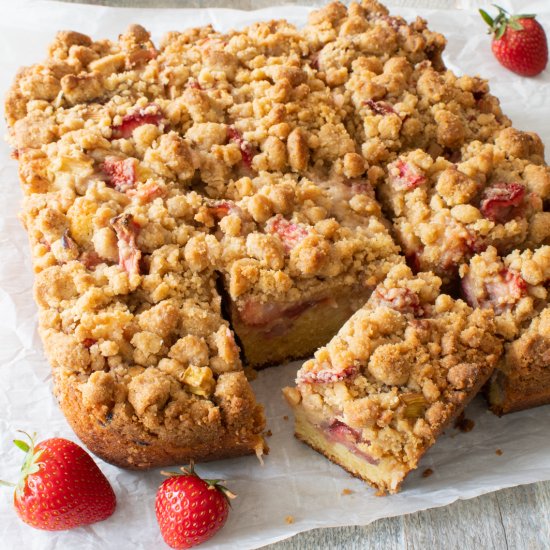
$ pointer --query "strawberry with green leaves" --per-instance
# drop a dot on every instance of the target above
(60, 487)
(519, 42)
(190, 510)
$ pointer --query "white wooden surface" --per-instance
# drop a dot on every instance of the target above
(515, 519)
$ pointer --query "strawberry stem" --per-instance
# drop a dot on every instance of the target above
(214, 484)
(503, 20)
(30, 464)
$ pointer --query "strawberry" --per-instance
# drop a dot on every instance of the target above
(247, 149)
(399, 299)
(291, 234)
(120, 173)
(502, 201)
(129, 254)
(379, 107)
(149, 115)
(405, 176)
(61, 487)
(328, 375)
(190, 510)
(519, 42)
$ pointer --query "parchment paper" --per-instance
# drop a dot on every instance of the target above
(294, 480)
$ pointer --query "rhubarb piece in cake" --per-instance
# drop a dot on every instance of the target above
(515, 288)
(444, 213)
(377, 396)
(298, 258)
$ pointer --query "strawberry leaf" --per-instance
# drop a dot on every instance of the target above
(486, 17)
(500, 31)
(515, 24)
(501, 11)
(22, 445)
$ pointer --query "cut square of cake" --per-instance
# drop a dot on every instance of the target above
(297, 259)
(444, 213)
(515, 288)
(377, 396)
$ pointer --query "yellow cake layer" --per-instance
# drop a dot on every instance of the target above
(386, 476)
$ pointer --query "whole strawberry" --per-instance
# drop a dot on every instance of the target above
(61, 487)
(190, 510)
(519, 42)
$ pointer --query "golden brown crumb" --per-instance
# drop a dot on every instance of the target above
(427, 472)
(268, 433)
(498, 452)
(289, 520)
(347, 492)
(464, 424)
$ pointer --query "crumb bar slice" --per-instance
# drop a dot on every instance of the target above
(298, 258)
(147, 382)
(444, 213)
(515, 288)
(376, 397)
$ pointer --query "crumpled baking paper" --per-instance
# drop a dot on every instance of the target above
(294, 481)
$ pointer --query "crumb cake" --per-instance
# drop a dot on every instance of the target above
(515, 288)
(235, 197)
(376, 397)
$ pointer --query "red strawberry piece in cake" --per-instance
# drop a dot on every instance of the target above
(148, 115)
(379, 107)
(255, 313)
(247, 150)
(222, 208)
(91, 259)
(120, 173)
(501, 201)
(405, 176)
(291, 234)
(339, 432)
(501, 292)
(326, 374)
(129, 254)
(403, 300)
(146, 192)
